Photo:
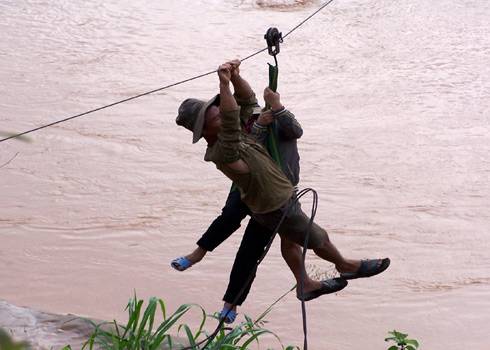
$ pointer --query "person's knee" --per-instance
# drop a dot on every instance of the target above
(231, 217)
(287, 244)
(319, 240)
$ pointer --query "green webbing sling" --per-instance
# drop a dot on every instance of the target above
(273, 38)
(271, 142)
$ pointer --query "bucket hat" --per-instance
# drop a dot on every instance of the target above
(192, 114)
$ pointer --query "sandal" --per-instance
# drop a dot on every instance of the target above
(368, 268)
(330, 285)
(228, 315)
(181, 263)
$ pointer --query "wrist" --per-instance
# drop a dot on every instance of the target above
(277, 107)
(259, 125)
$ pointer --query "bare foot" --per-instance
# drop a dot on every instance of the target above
(197, 255)
(308, 286)
(348, 266)
(183, 263)
(228, 306)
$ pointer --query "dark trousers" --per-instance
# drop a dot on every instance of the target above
(253, 243)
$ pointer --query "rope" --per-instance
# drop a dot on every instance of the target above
(158, 89)
(302, 280)
(207, 341)
(307, 18)
(109, 105)
(8, 162)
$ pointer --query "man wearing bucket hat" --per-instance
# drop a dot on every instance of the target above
(264, 188)
(278, 130)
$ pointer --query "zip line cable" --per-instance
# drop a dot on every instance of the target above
(106, 106)
(307, 18)
(161, 88)
(210, 338)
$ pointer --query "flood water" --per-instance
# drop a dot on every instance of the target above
(394, 99)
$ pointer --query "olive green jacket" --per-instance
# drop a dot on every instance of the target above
(264, 188)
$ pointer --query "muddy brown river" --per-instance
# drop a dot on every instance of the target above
(394, 100)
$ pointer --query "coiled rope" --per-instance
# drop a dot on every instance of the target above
(207, 341)
(158, 89)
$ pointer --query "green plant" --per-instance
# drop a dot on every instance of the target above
(140, 332)
(402, 342)
(7, 343)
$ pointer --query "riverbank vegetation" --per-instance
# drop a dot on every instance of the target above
(142, 331)
(7, 343)
(402, 341)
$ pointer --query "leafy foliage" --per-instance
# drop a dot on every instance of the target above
(402, 341)
(7, 343)
(141, 333)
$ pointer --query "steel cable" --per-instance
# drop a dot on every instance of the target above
(157, 89)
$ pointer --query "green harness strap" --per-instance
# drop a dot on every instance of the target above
(271, 142)
(272, 136)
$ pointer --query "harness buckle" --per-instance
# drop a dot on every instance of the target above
(273, 38)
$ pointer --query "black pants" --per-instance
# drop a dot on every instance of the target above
(253, 243)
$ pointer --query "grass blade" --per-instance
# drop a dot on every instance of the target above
(190, 336)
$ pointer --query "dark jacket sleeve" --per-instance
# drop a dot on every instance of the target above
(288, 127)
(259, 133)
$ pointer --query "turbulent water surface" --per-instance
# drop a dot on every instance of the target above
(394, 98)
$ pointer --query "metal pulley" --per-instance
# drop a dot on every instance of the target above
(273, 38)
